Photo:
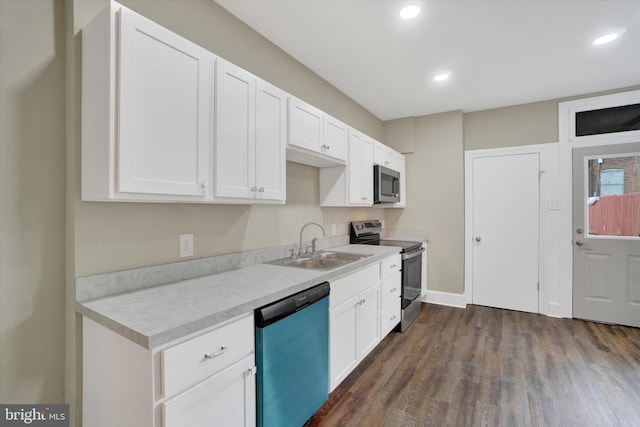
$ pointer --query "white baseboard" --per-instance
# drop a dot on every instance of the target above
(445, 298)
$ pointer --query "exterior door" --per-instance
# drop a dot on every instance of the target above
(506, 231)
(606, 224)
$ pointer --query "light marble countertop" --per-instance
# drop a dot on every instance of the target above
(157, 315)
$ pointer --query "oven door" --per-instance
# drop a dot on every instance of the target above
(411, 276)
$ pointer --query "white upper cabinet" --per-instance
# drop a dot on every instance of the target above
(350, 185)
(250, 143)
(146, 108)
(400, 159)
(315, 138)
(271, 142)
(385, 156)
(336, 138)
(360, 169)
(234, 156)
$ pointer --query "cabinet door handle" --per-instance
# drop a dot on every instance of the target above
(261, 190)
(393, 317)
(208, 356)
(393, 290)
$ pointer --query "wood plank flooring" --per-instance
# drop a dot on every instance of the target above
(482, 366)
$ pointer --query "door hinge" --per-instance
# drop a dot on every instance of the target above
(540, 175)
(538, 286)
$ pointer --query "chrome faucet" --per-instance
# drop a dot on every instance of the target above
(313, 242)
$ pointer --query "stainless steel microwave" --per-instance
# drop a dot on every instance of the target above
(386, 185)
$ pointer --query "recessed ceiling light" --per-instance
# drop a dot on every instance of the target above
(608, 37)
(410, 11)
(442, 77)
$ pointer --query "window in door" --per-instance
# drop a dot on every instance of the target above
(613, 200)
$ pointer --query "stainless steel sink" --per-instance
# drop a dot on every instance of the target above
(324, 260)
(342, 256)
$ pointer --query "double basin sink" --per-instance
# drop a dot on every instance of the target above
(323, 260)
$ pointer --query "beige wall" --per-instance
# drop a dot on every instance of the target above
(516, 125)
(435, 197)
(535, 123)
(32, 191)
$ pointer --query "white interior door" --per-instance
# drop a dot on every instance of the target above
(606, 224)
(506, 206)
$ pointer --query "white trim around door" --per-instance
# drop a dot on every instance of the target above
(567, 142)
(550, 208)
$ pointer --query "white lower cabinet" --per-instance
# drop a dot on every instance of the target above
(225, 399)
(202, 380)
(363, 308)
(354, 333)
(390, 293)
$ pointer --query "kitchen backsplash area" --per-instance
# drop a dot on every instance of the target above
(101, 285)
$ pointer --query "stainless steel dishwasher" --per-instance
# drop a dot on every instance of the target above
(292, 357)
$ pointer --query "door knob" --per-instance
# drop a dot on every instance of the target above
(478, 239)
(579, 230)
(579, 242)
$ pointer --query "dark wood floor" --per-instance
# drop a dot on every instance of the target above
(488, 367)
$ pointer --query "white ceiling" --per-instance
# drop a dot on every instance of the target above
(500, 52)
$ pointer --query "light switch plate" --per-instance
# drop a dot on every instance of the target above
(553, 205)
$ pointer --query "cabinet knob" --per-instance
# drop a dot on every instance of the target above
(254, 189)
(203, 184)
(261, 190)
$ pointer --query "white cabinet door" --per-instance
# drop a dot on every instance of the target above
(235, 132)
(315, 138)
(163, 110)
(271, 142)
(360, 169)
(226, 399)
(250, 154)
(343, 342)
(336, 138)
(305, 125)
(368, 324)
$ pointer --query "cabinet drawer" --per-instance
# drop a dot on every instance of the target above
(185, 364)
(390, 266)
(225, 399)
(349, 286)
(389, 318)
(390, 290)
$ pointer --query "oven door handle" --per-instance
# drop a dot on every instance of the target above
(413, 254)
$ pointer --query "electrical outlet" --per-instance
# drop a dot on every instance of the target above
(186, 245)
